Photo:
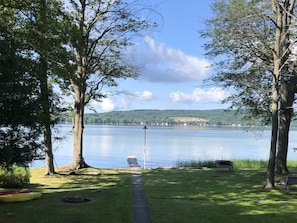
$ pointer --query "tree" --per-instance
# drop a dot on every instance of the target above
(35, 27)
(282, 63)
(41, 46)
(241, 36)
(287, 94)
(100, 32)
(19, 102)
(40, 23)
(251, 38)
(288, 87)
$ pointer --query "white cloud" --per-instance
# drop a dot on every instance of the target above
(107, 104)
(213, 95)
(122, 102)
(164, 64)
(144, 95)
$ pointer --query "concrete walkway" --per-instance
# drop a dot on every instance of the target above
(141, 212)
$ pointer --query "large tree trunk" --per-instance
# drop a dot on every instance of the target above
(78, 127)
(46, 118)
(283, 140)
(275, 94)
(274, 130)
(49, 159)
(77, 131)
(79, 87)
(288, 83)
(287, 99)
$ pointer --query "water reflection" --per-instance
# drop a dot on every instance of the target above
(109, 146)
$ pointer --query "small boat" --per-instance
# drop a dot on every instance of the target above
(15, 191)
(10, 198)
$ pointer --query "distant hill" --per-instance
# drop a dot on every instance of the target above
(216, 117)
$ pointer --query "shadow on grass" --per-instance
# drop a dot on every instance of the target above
(109, 192)
(186, 195)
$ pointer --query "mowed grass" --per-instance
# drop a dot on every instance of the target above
(109, 192)
(174, 195)
(210, 196)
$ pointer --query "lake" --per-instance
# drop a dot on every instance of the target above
(109, 146)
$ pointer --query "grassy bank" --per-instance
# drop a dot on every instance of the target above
(109, 192)
(209, 196)
(239, 163)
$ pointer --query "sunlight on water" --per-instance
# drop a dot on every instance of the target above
(109, 146)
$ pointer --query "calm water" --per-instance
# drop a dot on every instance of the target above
(109, 146)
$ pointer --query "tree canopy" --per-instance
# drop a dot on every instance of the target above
(252, 45)
(100, 33)
(19, 102)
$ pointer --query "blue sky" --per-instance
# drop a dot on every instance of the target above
(174, 65)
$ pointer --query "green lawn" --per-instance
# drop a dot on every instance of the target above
(174, 195)
(109, 192)
(208, 196)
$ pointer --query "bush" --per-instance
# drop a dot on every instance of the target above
(15, 177)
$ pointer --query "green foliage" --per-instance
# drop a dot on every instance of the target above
(18, 146)
(100, 41)
(14, 177)
(216, 117)
(245, 163)
(19, 101)
(240, 42)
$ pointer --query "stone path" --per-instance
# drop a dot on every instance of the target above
(141, 212)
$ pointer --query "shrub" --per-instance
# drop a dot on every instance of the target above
(15, 177)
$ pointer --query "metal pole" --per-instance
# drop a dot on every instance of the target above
(144, 152)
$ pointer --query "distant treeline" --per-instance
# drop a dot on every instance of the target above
(216, 117)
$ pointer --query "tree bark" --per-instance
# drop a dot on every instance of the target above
(274, 130)
(286, 110)
(287, 85)
(275, 97)
(79, 88)
(46, 117)
(78, 126)
(283, 138)
(49, 163)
